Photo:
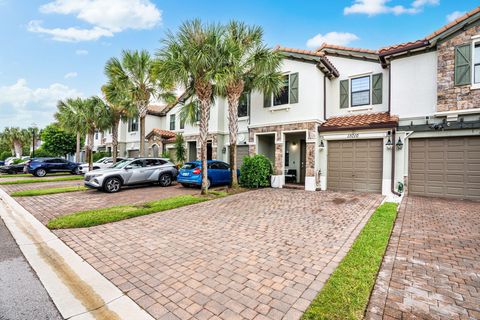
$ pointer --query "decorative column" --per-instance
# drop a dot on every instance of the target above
(310, 179)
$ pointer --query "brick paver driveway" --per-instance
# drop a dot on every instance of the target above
(257, 255)
(432, 266)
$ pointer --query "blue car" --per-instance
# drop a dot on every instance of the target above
(39, 167)
(218, 173)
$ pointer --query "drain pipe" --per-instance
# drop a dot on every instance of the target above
(392, 176)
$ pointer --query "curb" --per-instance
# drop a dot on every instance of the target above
(78, 290)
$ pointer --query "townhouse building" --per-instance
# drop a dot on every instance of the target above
(405, 118)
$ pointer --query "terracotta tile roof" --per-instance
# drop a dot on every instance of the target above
(156, 109)
(300, 51)
(169, 140)
(369, 120)
(161, 133)
(333, 46)
(424, 42)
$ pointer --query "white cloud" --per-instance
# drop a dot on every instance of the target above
(81, 52)
(375, 7)
(455, 15)
(70, 75)
(21, 105)
(106, 17)
(338, 38)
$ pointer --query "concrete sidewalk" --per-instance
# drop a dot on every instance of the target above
(22, 295)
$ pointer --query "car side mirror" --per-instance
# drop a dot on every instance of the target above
(128, 167)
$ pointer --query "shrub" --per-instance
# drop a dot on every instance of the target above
(42, 153)
(100, 154)
(256, 171)
(5, 154)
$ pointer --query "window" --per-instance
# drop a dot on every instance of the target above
(288, 93)
(476, 63)
(282, 97)
(223, 166)
(182, 124)
(133, 125)
(137, 164)
(243, 105)
(154, 162)
(360, 91)
(172, 122)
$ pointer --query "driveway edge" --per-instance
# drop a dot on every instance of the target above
(77, 289)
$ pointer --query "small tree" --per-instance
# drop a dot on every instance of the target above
(57, 142)
(256, 171)
(180, 151)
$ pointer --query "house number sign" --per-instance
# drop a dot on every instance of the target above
(352, 135)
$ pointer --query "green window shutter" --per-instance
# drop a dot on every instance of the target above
(343, 94)
(294, 88)
(267, 100)
(463, 60)
(377, 88)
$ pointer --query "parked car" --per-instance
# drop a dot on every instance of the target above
(13, 168)
(218, 173)
(2, 163)
(99, 164)
(10, 160)
(41, 166)
(131, 172)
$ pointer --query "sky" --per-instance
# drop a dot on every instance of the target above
(54, 49)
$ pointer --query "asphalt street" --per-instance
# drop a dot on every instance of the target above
(22, 296)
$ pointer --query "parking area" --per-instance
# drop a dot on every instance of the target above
(262, 254)
(432, 266)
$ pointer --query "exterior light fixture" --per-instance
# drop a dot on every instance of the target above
(389, 143)
(224, 150)
(399, 144)
(322, 145)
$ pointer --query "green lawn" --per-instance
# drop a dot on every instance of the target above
(5, 175)
(347, 291)
(41, 192)
(91, 218)
(37, 180)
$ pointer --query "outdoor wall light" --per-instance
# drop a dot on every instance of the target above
(224, 150)
(322, 145)
(389, 143)
(399, 144)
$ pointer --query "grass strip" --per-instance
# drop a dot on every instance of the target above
(347, 291)
(92, 218)
(37, 180)
(42, 192)
(21, 175)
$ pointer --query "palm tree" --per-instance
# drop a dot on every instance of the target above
(134, 73)
(121, 108)
(189, 59)
(16, 138)
(247, 65)
(96, 116)
(69, 116)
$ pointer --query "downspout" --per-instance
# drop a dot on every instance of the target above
(394, 147)
(324, 97)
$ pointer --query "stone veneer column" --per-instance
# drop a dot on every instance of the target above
(278, 170)
(310, 160)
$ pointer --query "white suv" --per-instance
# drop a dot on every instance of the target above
(102, 163)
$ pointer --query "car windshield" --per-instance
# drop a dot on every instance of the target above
(189, 166)
(120, 164)
(100, 160)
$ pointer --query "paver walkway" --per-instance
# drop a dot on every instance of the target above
(432, 266)
(257, 255)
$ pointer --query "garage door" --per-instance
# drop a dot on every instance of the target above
(445, 167)
(133, 153)
(355, 165)
(242, 152)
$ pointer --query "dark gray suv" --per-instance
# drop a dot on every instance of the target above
(131, 172)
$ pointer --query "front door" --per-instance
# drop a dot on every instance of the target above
(209, 151)
(303, 160)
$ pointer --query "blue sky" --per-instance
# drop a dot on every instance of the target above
(53, 49)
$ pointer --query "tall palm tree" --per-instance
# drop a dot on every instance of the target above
(247, 64)
(96, 116)
(16, 138)
(134, 73)
(121, 108)
(69, 116)
(189, 59)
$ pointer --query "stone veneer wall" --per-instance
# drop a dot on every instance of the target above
(451, 97)
(311, 128)
(211, 137)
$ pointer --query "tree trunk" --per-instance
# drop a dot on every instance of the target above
(204, 115)
(115, 140)
(77, 152)
(142, 113)
(17, 146)
(233, 98)
(90, 150)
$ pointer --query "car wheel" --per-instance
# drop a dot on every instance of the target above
(76, 171)
(165, 180)
(112, 185)
(209, 183)
(40, 172)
